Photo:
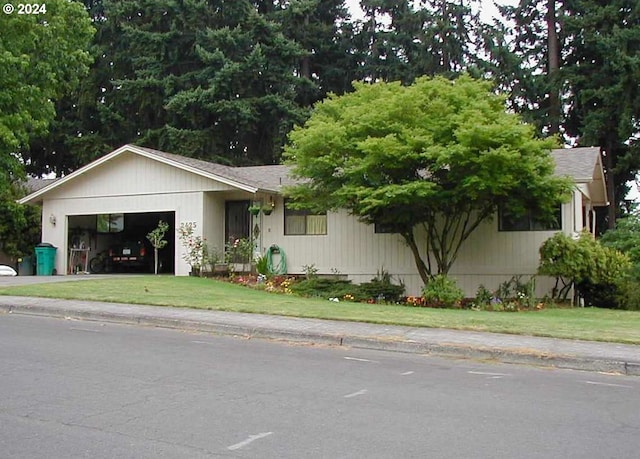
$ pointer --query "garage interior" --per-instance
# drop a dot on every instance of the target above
(117, 243)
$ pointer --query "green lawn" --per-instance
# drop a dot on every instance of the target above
(578, 323)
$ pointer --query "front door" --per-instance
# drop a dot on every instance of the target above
(237, 222)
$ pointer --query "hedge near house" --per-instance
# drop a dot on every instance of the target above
(599, 274)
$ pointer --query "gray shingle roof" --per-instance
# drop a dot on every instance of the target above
(579, 163)
(35, 184)
(268, 178)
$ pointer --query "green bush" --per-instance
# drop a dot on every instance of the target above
(626, 238)
(262, 265)
(323, 287)
(441, 291)
(628, 294)
(380, 288)
(597, 272)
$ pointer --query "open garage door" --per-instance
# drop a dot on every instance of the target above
(117, 243)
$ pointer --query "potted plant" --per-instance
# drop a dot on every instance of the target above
(268, 208)
(254, 209)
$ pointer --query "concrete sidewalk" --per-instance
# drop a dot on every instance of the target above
(581, 355)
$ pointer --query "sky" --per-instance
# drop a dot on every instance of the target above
(487, 8)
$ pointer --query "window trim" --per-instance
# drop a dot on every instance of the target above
(533, 225)
(388, 228)
(306, 214)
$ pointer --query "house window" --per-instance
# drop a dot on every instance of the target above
(528, 222)
(110, 223)
(385, 228)
(298, 222)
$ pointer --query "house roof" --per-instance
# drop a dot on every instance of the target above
(34, 184)
(582, 164)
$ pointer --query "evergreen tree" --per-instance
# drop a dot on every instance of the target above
(244, 101)
(575, 69)
(322, 29)
(401, 41)
(210, 79)
(602, 68)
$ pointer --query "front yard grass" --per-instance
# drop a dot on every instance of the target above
(191, 292)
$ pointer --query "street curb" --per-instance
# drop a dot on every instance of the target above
(450, 350)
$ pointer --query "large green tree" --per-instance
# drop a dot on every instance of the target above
(602, 70)
(244, 97)
(438, 155)
(209, 79)
(573, 68)
(323, 31)
(42, 57)
(402, 40)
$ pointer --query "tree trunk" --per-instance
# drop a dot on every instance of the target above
(611, 186)
(424, 273)
(554, 65)
(305, 70)
(155, 260)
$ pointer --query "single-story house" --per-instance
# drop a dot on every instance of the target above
(133, 187)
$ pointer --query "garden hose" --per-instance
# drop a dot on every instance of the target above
(281, 267)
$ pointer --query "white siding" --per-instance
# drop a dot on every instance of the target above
(127, 184)
(129, 174)
(488, 257)
(187, 207)
(214, 221)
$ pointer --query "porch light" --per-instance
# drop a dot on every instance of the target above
(52, 220)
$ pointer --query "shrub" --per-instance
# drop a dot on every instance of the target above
(442, 291)
(598, 273)
(628, 294)
(626, 238)
(323, 287)
(239, 250)
(381, 288)
(262, 265)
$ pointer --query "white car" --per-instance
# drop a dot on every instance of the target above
(7, 271)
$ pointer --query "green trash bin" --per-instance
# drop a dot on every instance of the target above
(45, 259)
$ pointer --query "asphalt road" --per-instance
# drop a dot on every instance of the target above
(74, 389)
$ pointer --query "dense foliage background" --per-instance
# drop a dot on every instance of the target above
(226, 80)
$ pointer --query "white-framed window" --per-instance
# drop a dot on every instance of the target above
(304, 222)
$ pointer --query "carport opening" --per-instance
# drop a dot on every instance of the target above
(118, 243)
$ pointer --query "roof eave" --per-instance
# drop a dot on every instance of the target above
(36, 196)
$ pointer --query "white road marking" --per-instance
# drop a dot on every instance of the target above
(360, 360)
(355, 394)
(85, 330)
(201, 342)
(483, 373)
(251, 438)
(407, 373)
(595, 383)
